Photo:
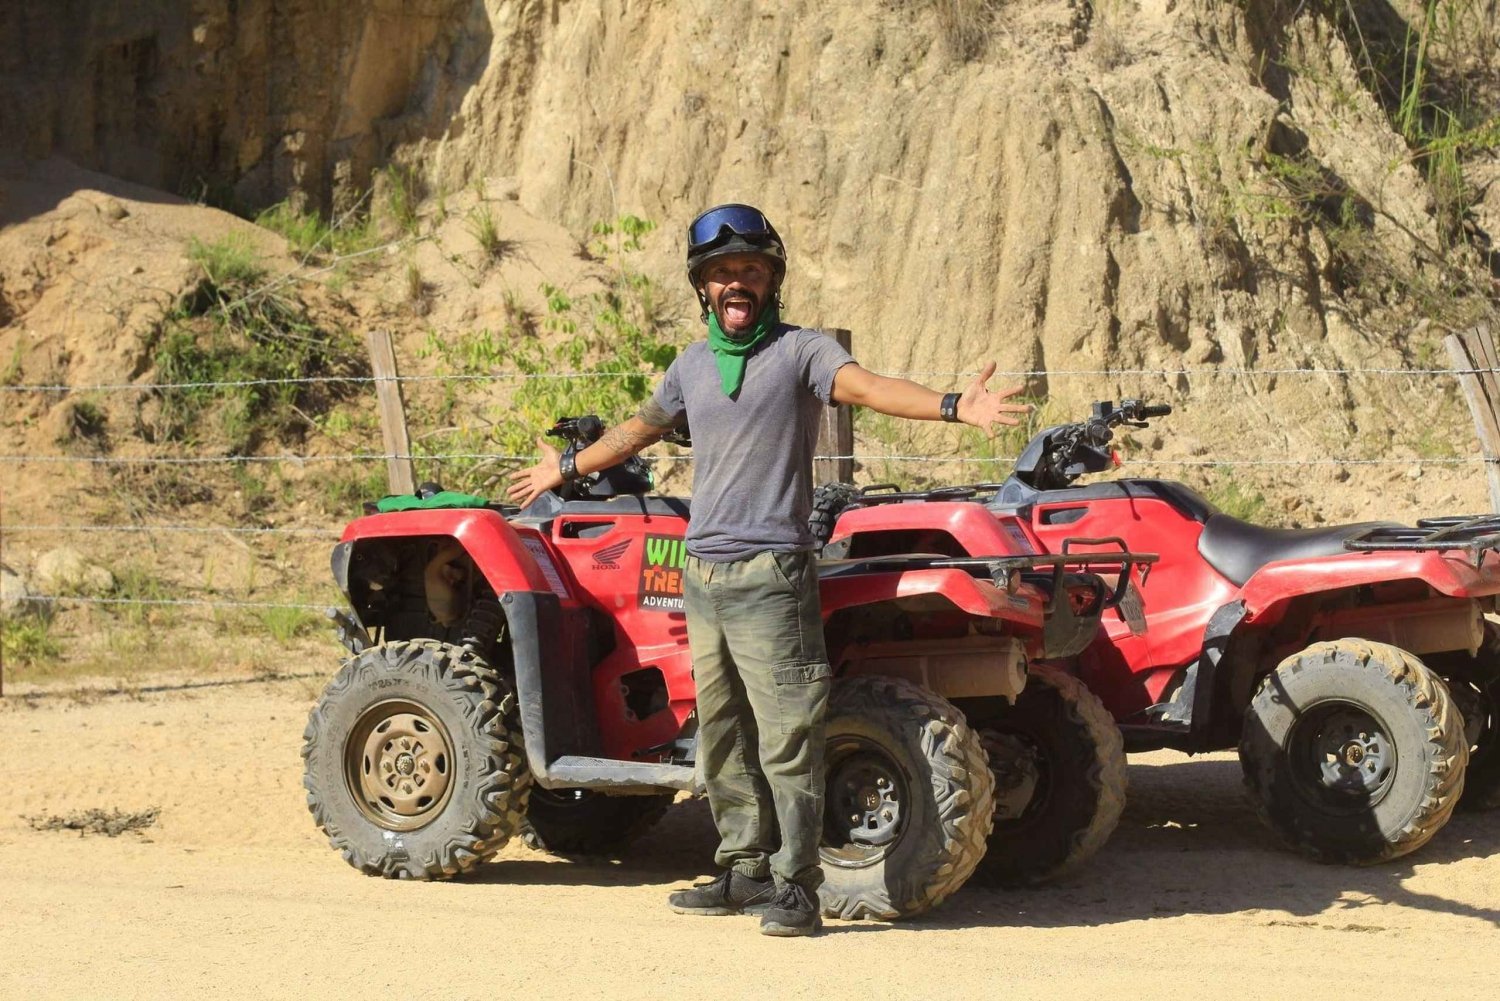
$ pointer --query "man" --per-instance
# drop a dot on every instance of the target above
(752, 394)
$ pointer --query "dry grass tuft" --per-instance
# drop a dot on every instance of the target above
(967, 25)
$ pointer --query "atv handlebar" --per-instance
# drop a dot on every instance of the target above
(584, 431)
(632, 476)
(1099, 428)
(578, 431)
(1059, 455)
(1129, 412)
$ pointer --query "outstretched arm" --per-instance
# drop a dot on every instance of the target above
(903, 398)
(613, 447)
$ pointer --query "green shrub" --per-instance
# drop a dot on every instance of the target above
(305, 231)
(231, 327)
(343, 490)
(605, 351)
(401, 191)
(978, 457)
(227, 262)
(1236, 500)
(11, 376)
(286, 624)
(27, 640)
(623, 236)
(316, 238)
(140, 588)
(1442, 120)
(486, 232)
(417, 289)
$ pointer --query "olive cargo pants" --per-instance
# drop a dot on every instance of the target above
(756, 636)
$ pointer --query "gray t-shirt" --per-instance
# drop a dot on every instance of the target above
(752, 455)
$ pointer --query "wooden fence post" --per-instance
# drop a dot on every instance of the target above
(398, 466)
(836, 433)
(1473, 354)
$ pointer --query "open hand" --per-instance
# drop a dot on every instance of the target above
(526, 485)
(984, 409)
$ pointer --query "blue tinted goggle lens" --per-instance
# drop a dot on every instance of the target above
(738, 219)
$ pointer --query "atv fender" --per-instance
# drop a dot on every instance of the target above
(987, 663)
(1214, 684)
(558, 726)
(547, 658)
(1274, 586)
(492, 544)
(1024, 607)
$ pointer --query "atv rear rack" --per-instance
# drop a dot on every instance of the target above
(1008, 571)
(887, 493)
(1473, 535)
(1067, 628)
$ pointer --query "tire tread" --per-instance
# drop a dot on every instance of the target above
(1106, 776)
(963, 788)
(1426, 694)
(499, 801)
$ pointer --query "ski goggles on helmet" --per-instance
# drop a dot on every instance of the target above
(722, 222)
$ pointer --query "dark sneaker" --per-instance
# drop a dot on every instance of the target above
(793, 911)
(729, 893)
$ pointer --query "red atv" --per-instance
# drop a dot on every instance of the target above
(1352, 665)
(527, 672)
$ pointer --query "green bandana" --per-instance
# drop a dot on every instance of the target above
(411, 502)
(730, 353)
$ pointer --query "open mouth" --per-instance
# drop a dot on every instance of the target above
(737, 308)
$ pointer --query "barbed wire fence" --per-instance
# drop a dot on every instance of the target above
(1467, 370)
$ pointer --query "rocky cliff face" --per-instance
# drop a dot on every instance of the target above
(245, 102)
(1190, 189)
(1200, 188)
(1096, 189)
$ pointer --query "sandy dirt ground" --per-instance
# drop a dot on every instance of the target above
(233, 892)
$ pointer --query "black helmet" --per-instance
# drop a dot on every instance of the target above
(733, 229)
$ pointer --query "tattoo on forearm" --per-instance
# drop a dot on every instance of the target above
(623, 441)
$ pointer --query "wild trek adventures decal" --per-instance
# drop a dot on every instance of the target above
(661, 573)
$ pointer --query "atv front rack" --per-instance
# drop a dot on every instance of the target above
(1473, 535)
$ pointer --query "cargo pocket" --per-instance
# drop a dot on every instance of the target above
(801, 694)
(788, 569)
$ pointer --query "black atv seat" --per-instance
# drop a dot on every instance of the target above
(672, 507)
(1237, 548)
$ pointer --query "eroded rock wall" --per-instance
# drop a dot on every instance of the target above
(242, 102)
(1102, 187)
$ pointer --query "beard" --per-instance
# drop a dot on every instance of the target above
(738, 310)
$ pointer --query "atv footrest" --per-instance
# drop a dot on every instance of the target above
(579, 772)
(1473, 535)
(1154, 736)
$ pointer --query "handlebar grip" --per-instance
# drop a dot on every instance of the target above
(1160, 410)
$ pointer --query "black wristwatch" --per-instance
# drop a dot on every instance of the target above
(949, 407)
(568, 466)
